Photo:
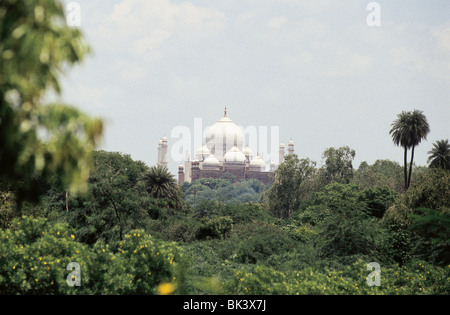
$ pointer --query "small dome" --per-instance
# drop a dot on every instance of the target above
(202, 152)
(234, 155)
(248, 152)
(281, 145)
(272, 163)
(258, 161)
(180, 167)
(291, 142)
(211, 161)
(164, 139)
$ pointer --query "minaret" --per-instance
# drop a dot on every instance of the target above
(187, 168)
(159, 152)
(162, 152)
(281, 153)
(291, 147)
(180, 175)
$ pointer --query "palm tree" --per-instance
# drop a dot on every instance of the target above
(161, 184)
(440, 155)
(407, 131)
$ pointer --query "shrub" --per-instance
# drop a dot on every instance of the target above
(430, 192)
(416, 278)
(245, 212)
(217, 227)
(256, 242)
(378, 200)
(149, 262)
(303, 233)
(181, 232)
(34, 255)
(313, 215)
(434, 229)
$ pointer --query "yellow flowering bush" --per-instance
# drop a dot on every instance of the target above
(416, 278)
(150, 261)
(34, 255)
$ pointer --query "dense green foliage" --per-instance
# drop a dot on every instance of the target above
(159, 183)
(128, 242)
(431, 192)
(34, 254)
(223, 190)
(291, 184)
(382, 173)
(338, 165)
(416, 278)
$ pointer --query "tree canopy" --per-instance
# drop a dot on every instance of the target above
(338, 165)
(408, 130)
(292, 181)
(439, 155)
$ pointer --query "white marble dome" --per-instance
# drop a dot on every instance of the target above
(258, 162)
(211, 160)
(248, 152)
(223, 136)
(202, 153)
(234, 155)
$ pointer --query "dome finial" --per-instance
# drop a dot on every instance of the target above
(225, 112)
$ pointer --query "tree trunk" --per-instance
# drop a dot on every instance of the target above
(118, 217)
(406, 168)
(67, 200)
(410, 166)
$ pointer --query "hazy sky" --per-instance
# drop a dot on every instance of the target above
(313, 68)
